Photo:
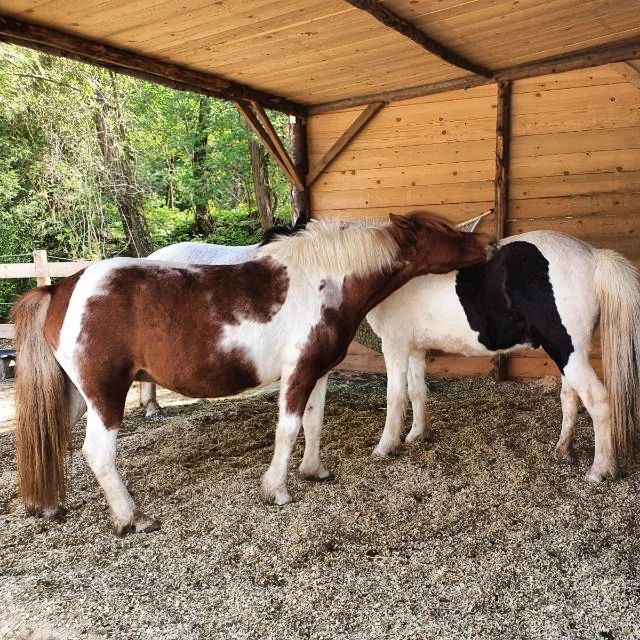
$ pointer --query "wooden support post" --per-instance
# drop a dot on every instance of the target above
(300, 157)
(40, 262)
(410, 31)
(270, 140)
(501, 186)
(356, 126)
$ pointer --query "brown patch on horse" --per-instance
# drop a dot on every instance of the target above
(167, 324)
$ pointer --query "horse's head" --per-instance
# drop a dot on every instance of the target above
(432, 245)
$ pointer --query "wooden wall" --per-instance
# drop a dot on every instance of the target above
(575, 167)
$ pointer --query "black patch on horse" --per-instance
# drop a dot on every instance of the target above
(285, 229)
(509, 301)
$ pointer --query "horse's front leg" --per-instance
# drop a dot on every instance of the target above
(99, 450)
(396, 358)
(418, 396)
(311, 466)
(294, 394)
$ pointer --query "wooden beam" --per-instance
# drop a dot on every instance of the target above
(628, 72)
(356, 126)
(300, 156)
(409, 30)
(255, 125)
(501, 187)
(275, 139)
(69, 46)
(592, 57)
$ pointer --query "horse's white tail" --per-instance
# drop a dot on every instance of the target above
(618, 291)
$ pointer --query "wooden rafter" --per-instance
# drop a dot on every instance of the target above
(592, 57)
(269, 138)
(356, 126)
(409, 30)
(501, 185)
(628, 72)
(292, 170)
(69, 46)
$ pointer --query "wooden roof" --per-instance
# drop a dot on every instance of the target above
(312, 52)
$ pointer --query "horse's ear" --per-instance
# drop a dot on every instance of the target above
(401, 222)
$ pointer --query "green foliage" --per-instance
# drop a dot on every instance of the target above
(55, 191)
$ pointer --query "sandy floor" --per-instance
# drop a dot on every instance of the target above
(476, 533)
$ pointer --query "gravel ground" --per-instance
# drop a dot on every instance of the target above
(475, 534)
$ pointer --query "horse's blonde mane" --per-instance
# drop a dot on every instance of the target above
(337, 248)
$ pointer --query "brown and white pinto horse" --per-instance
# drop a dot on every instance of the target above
(207, 331)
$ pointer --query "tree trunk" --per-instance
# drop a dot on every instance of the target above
(118, 162)
(169, 194)
(261, 188)
(204, 221)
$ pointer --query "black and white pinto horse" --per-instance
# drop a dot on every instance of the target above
(543, 290)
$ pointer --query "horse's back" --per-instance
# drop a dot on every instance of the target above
(203, 253)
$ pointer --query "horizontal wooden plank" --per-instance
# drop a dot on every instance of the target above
(415, 197)
(617, 228)
(522, 368)
(545, 187)
(598, 98)
(458, 366)
(7, 331)
(456, 172)
(457, 212)
(606, 203)
(53, 269)
(575, 142)
(412, 155)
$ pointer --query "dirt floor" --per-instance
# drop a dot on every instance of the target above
(477, 533)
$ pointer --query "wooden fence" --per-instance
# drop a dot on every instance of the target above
(40, 269)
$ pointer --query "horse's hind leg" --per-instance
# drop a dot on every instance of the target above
(581, 376)
(418, 396)
(99, 450)
(311, 466)
(569, 398)
(149, 402)
(397, 361)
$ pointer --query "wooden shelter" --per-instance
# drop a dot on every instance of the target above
(447, 105)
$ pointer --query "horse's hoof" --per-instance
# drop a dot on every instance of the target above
(385, 452)
(156, 414)
(57, 513)
(600, 473)
(415, 437)
(324, 475)
(141, 523)
(565, 456)
(275, 495)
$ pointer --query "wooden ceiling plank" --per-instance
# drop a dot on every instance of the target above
(60, 43)
(577, 60)
(409, 30)
(356, 126)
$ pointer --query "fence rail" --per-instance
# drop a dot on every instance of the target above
(40, 269)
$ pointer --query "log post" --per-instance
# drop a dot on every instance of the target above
(40, 263)
(300, 157)
(501, 186)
